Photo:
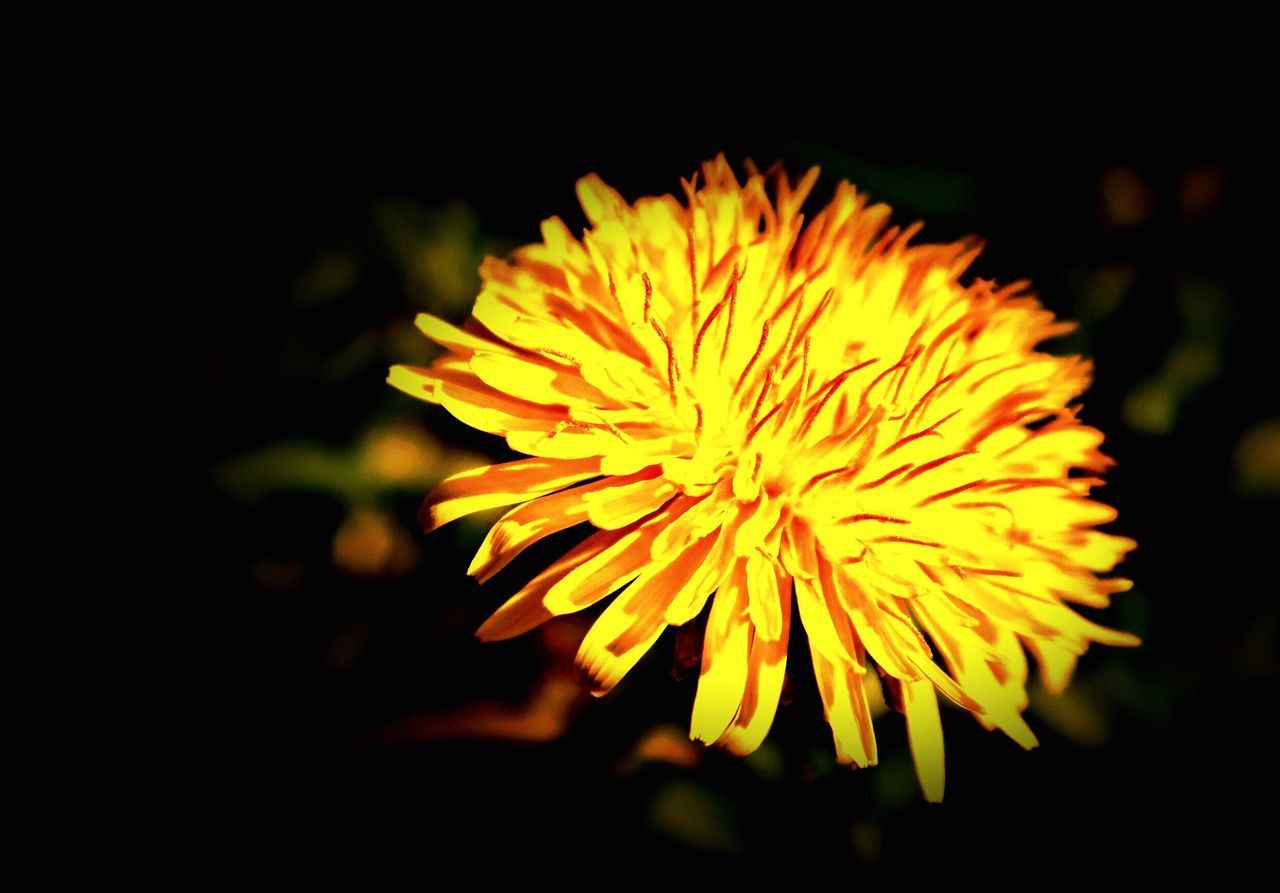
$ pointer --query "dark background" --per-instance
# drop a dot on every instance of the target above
(360, 719)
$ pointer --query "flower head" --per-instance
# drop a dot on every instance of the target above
(757, 411)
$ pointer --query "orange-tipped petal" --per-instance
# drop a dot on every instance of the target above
(632, 622)
(492, 486)
(525, 525)
(528, 609)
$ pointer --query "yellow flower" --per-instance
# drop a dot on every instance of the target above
(746, 406)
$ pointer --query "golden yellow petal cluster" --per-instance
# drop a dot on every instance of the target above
(759, 410)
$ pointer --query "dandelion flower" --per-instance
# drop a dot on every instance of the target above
(757, 411)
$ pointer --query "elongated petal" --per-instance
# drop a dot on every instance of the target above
(819, 625)
(764, 586)
(871, 631)
(970, 660)
(528, 607)
(471, 401)
(766, 669)
(536, 381)
(724, 663)
(924, 731)
(414, 381)
(460, 341)
(628, 500)
(491, 486)
(1057, 663)
(633, 621)
(526, 524)
(714, 570)
(613, 568)
(845, 706)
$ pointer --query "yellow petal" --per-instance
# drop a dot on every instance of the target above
(869, 625)
(600, 202)
(757, 524)
(414, 381)
(526, 524)
(634, 620)
(1057, 663)
(923, 662)
(614, 567)
(970, 660)
(851, 649)
(458, 340)
(564, 440)
(628, 500)
(650, 448)
(527, 608)
(764, 588)
(491, 486)
(724, 664)
(714, 570)
(818, 622)
(700, 518)
(476, 404)
(860, 706)
(766, 669)
(825, 619)
(798, 551)
(845, 707)
(612, 373)
(924, 731)
(536, 381)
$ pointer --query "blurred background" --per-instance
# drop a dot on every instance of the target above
(362, 713)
